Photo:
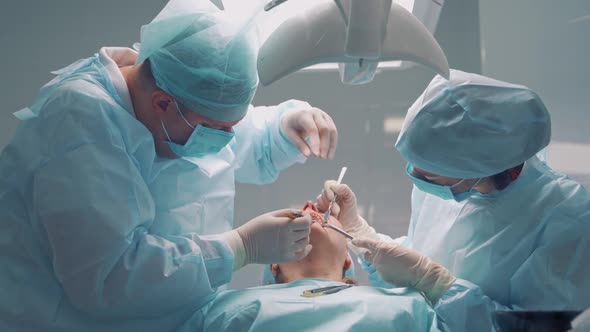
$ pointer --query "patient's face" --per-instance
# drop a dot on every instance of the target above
(328, 256)
(324, 238)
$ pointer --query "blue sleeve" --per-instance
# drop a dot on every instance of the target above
(553, 277)
(262, 151)
(103, 253)
(464, 307)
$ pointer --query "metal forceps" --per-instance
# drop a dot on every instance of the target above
(324, 290)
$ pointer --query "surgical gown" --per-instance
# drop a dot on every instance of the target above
(525, 247)
(281, 307)
(99, 234)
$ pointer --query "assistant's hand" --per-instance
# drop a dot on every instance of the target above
(405, 267)
(271, 238)
(315, 124)
(344, 209)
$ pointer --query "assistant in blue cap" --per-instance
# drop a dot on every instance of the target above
(493, 227)
(471, 126)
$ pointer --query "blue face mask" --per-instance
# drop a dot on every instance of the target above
(444, 192)
(203, 140)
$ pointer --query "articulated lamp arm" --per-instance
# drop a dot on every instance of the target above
(355, 33)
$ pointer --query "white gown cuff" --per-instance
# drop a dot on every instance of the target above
(234, 241)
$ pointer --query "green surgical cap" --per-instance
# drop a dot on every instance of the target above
(472, 126)
(204, 57)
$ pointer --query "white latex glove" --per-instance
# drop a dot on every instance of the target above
(270, 238)
(314, 123)
(344, 209)
(405, 267)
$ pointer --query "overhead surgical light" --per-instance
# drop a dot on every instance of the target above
(356, 34)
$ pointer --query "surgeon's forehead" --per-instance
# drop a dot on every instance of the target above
(195, 116)
(426, 173)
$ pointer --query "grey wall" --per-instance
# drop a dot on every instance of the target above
(544, 45)
(39, 36)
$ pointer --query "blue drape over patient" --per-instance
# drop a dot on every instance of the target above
(281, 307)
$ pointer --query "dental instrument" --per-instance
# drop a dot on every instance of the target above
(324, 290)
(327, 214)
(292, 215)
(339, 230)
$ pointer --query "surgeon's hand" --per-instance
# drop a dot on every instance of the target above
(344, 209)
(270, 238)
(405, 267)
(314, 124)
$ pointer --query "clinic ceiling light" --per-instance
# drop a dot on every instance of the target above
(392, 125)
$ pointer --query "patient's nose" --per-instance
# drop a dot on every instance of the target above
(310, 205)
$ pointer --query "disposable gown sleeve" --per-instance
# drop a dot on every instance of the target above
(553, 277)
(96, 211)
(262, 151)
(464, 307)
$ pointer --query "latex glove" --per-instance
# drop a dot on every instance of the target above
(314, 124)
(270, 238)
(344, 209)
(405, 267)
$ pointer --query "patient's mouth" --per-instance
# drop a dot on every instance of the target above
(315, 216)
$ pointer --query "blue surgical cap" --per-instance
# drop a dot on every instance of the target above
(472, 126)
(268, 278)
(202, 56)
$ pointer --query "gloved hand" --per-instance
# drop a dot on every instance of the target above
(405, 267)
(270, 238)
(344, 209)
(315, 124)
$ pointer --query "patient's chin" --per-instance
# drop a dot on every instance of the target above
(317, 232)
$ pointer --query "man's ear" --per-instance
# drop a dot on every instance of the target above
(347, 263)
(160, 101)
(275, 269)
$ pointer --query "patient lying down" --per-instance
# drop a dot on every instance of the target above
(286, 303)
(328, 259)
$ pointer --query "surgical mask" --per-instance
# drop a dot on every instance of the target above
(203, 140)
(444, 192)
